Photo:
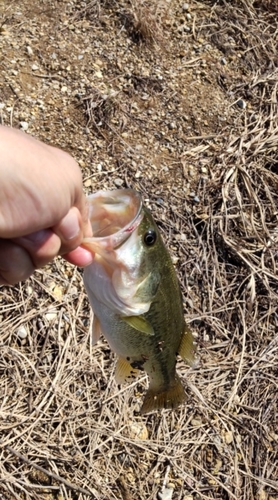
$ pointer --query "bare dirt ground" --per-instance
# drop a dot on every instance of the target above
(179, 101)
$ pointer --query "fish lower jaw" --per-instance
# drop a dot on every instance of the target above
(168, 397)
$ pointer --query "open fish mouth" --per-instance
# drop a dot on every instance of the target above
(114, 215)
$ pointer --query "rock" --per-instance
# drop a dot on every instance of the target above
(241, 104)
(166, 494)
(22, 332)
(51, 315)
(58, 292)
(34, 67)
(228, 437)
(24, 126)
(137, 430)
(118, 182)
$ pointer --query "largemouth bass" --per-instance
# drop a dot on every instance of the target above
(135, 295)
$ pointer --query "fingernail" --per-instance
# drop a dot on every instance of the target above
(69, 226)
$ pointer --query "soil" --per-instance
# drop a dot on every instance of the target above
(179, 101)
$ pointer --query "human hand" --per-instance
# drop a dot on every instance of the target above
(43, 209)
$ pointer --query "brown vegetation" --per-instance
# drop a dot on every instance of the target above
(179, 102)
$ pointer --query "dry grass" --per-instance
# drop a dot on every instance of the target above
(67, 431)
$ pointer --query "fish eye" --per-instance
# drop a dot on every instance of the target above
(150, 237)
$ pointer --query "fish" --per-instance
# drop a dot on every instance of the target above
(136, 297)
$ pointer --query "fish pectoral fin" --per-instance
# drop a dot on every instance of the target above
(139, 323)
(169, 397)
(187, 347)
(124, 371)
(96, 330)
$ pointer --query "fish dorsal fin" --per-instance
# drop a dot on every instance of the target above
(139, 323)
(124, 371)
(96, 330)
(187, 346)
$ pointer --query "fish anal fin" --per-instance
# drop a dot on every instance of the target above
(187, 347)
(96, 330)
(168, 397)
(124, 371)
(139, 323)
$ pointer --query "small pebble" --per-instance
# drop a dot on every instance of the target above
(2, 105)
(229, 437)
(241, 104)
(29, 290)
(204, 170)
(118, 182)
(138, 431)
(223, 61)
(188, 16)
(185, 7)
(24, 126)
(196, 199)
(34, 67)
(22, 332)
(29, 50)
(50, 316)
(64, 89)
(167, 494)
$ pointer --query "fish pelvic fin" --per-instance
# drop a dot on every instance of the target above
(124, 371)
(187, 347)
(168, 397)
(139, 323)
(96, 330)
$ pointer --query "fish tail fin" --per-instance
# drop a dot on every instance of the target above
(166, 397)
